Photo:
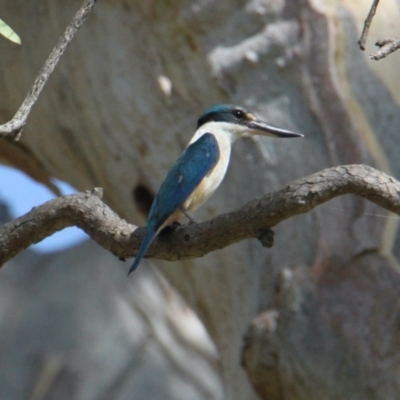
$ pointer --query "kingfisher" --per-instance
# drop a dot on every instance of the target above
(200, 169)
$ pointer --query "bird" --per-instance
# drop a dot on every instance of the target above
(198, 172)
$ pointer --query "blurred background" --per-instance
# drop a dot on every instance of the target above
(19, 194)
(315, 317)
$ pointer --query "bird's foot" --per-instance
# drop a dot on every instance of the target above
(188, 216)
(266, 238)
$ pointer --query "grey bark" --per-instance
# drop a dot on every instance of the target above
(253, 220)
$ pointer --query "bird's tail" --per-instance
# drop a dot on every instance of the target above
(148, 239)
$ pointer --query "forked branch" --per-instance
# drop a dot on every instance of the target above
(386, 46)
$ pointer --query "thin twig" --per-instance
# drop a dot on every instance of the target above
(88, 212)
(367, 24)
(387, 46)
(14, 127)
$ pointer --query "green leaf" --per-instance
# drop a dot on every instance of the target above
(6, 31)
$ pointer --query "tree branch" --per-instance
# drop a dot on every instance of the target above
(88, 212)
(14, 127)
(386, 47)
(367, 24)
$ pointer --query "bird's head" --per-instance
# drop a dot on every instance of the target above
(240, 122)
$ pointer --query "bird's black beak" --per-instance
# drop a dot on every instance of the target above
(262, 128)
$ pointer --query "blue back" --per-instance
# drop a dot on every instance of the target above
(187, 172)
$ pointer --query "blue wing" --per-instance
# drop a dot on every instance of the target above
(187, 172)
(185, 175)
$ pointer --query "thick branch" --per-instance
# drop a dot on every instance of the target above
(387, 46)
(14, 127)
(367, 24)
(88, 212)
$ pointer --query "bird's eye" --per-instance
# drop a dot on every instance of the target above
(239, 114)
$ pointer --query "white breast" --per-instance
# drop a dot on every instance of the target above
(214, 178)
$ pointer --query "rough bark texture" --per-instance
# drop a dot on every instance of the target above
(254, 220)
(108, 119)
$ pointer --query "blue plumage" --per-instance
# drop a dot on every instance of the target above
(186, 174)
(208, 156)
